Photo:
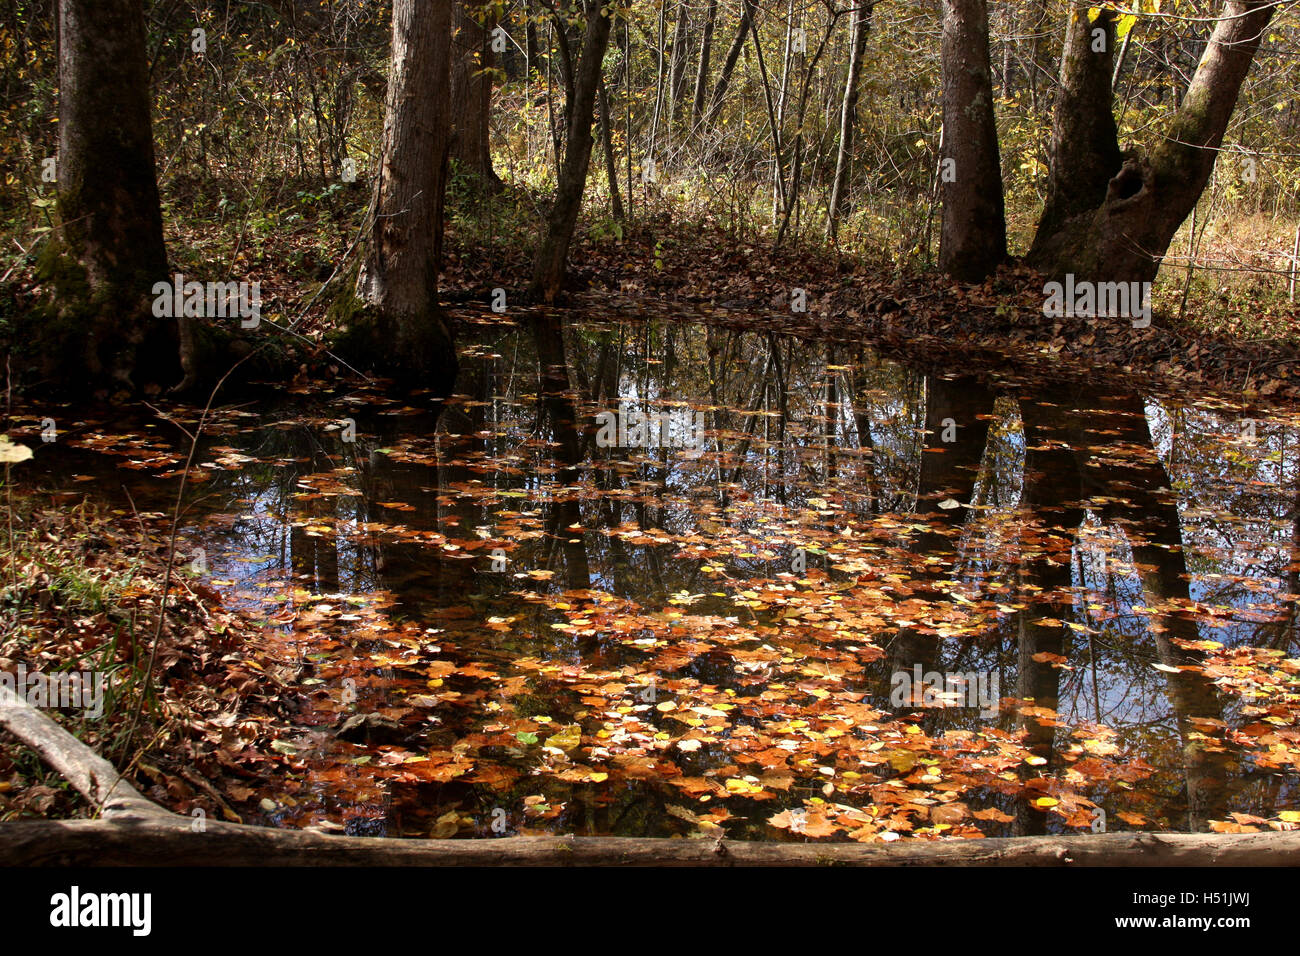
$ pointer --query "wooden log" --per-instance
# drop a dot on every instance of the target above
(136, 832)
(154, 841)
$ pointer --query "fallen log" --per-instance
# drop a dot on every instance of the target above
(134, 831)
(151, 841)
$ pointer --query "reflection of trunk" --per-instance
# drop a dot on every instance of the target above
(327, 555)
(417, 571)
(1122, 474)
(1150, 518)
(302, 554)
(1050, 501)
(831, 418)
(862, 420)
(558, 406)
(949, 469)
(313, 554)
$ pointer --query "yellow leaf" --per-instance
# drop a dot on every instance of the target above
(1125, 24)
(566, 739)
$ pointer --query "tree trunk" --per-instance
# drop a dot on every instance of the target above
(110, 251)
(702, 75)
(611, 167)
(729, 64)
(471, 91)
(973, 239)
(860, 27)
(399, 278)
(677, 68)
(1038, 59)
(1127, 231)
(659, 81)
(1076, 182)
(553, 250)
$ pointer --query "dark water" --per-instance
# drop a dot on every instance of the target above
(664, 639)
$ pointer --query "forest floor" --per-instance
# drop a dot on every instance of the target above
(81, 590)
(1241, 341)
(696, 272)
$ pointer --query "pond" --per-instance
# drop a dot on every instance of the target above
(646, 578)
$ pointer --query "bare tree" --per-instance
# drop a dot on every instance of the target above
(702, 74)
(858, 30)
(550, 262)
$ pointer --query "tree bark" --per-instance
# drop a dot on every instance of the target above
(399, 278)
(110, 251)
(973, 239)
(861, 26)
(471, 91)
(549, 264)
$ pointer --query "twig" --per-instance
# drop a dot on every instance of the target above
(171, 544)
